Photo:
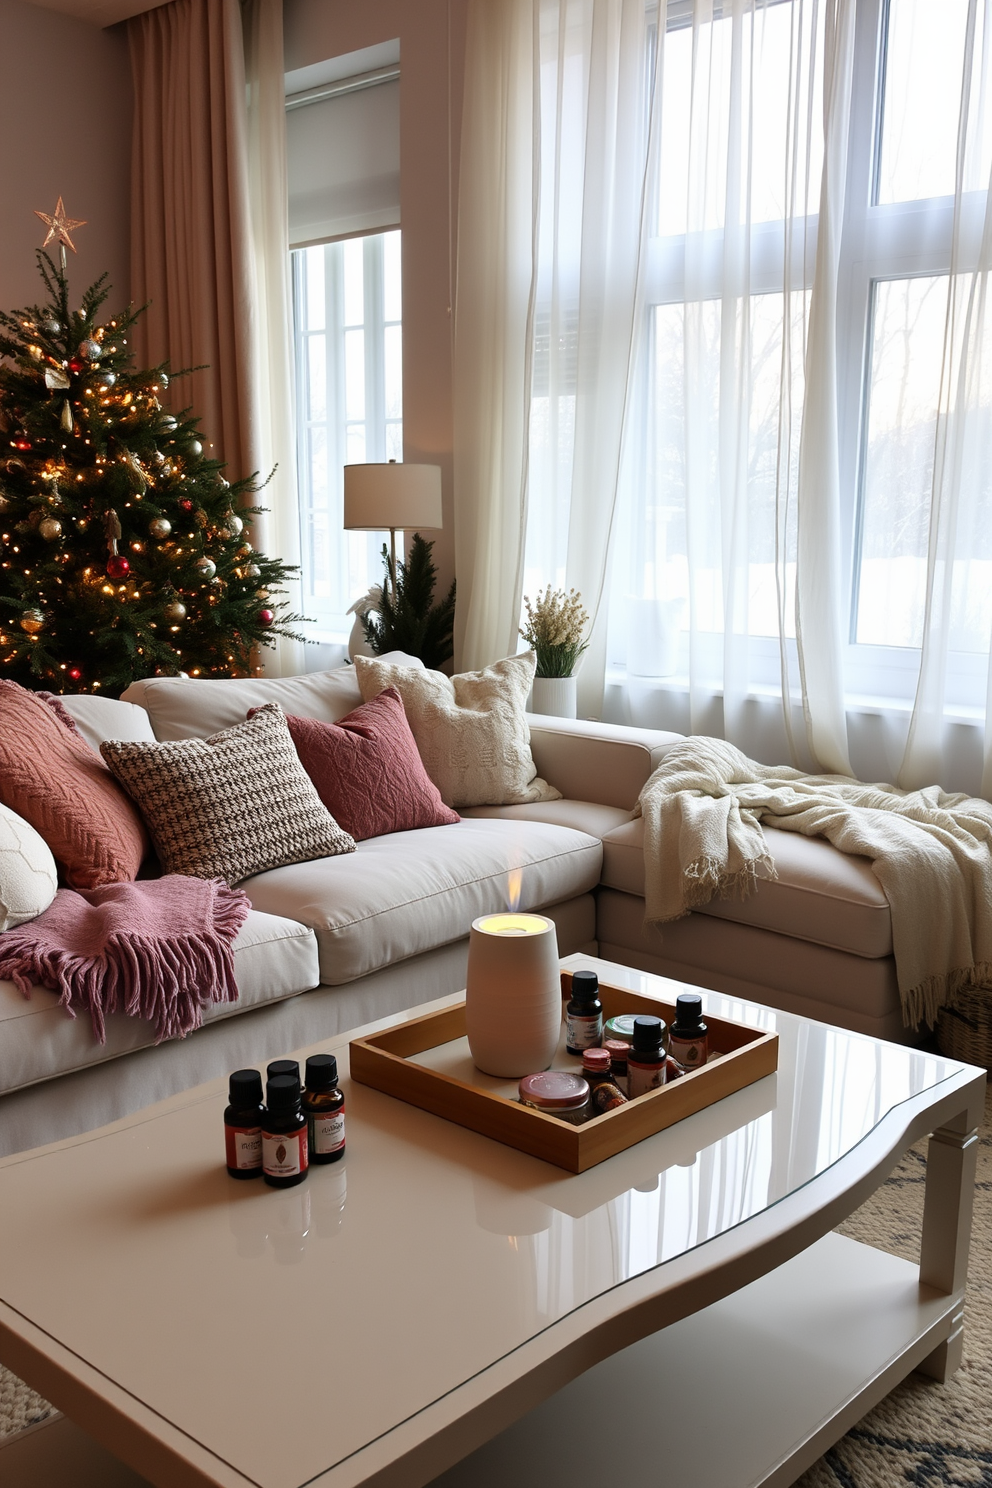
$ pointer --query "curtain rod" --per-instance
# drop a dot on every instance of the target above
(336, 89)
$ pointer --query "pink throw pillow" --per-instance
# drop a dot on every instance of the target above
(367, 769)
(53, 779)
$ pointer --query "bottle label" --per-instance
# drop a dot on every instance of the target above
(284, 1154)
(244, 1146)
(326, 1133)
(643, 1077)
(690, 1053)
(583, 1033)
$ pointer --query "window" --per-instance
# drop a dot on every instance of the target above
(348, 313)
(720, 376)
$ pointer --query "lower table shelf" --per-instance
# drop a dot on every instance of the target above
(749, 1391)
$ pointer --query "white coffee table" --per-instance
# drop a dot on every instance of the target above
(399, 1310)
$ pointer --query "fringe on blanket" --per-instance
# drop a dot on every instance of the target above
(921, 1004)
(706, 877)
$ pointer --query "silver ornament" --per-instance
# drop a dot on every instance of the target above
(51, 327)
(90, 349)
(168, 423)
(175, 610)
(105, 379)
(206, 567)
(160, 527)
(55, 378)
(50, 528)
(252, 571)
(162, 379)
(194, 448)
(234, 525)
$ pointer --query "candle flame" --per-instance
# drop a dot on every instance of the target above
(514, 882)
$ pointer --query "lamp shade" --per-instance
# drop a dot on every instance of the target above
(402, 497)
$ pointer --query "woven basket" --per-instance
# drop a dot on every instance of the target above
(965, 1031)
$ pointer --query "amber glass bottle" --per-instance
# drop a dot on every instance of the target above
(323, 1103)
(284, 1133)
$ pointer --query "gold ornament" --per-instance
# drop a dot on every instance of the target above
(160, 527)
(59, 226)
(175, 610)
(32, 621)
(50, 528)
(66, 419)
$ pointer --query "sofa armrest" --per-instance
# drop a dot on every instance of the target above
(603, 762)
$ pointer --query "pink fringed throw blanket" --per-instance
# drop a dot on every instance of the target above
(160, 949)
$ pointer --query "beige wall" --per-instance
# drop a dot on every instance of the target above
(430, 110)
(65, 122)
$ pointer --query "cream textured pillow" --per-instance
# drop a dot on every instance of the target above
(229, 806)
(471, 729)
(28, 876)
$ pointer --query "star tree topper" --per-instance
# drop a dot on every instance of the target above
(59, 226)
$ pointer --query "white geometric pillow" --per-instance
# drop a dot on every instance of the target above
(28, 876)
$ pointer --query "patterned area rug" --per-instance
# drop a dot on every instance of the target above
(923, 1435)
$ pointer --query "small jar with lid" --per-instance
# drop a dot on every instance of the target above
(557, 1093)
(284, 1133)
(618, 1049)
(243, 1124)
(604, 1093)
(323, 1103)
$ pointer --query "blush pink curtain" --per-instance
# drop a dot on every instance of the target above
(191, 250)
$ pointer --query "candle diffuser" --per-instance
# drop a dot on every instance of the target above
(513, 994)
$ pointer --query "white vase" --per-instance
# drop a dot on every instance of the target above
(554, 696)
(513, 994)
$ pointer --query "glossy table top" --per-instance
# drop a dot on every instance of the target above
(357, 1299)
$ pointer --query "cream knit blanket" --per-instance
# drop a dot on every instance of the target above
(931, 853)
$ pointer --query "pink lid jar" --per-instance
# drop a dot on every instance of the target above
(557, 1093)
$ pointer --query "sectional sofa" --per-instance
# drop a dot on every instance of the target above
(345, 940)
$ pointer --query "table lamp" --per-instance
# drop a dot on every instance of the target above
(403, 498)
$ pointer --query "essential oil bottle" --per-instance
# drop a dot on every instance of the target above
(284, 1133)
(323, 1104)
(647, 1057)
(689, 1037)
(243, 1124)
(282, 1067)
(584, 1014)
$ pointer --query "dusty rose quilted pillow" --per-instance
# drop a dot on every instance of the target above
(55, 781)
(367, 769)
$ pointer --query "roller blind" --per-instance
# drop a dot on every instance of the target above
(344, 165)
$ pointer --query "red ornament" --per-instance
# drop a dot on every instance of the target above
(266, 617)
(75, 365)
(186, 505)
(22, 444)
(117, 566)
(74, 674)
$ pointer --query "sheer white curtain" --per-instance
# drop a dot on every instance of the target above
(957, 618)
(277, 530)
(552, 195)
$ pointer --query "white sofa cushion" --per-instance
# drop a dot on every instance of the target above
(98, 718)
(274, 958)
(195, 707)
(399, 895)
(820, 895)
(28, 875)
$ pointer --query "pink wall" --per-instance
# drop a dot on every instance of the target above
(432, 40)
(65, 121)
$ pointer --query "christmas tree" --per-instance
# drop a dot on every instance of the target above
(124, 551)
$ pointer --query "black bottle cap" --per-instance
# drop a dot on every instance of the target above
(585, 986)
(245, 1089)
(282, 1093)
(322, 1072)
(688, 1009)
(647, 1033)
(283, 1067)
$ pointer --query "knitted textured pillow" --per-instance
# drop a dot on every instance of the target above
(471, 729)
(28, 878)
(229, 806)
(55, 781)
(367, 770)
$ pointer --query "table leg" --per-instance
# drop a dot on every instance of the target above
(952, 1156)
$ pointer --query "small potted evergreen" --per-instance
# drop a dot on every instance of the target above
(556, 628)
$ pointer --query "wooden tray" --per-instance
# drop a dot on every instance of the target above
(386, 1061)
